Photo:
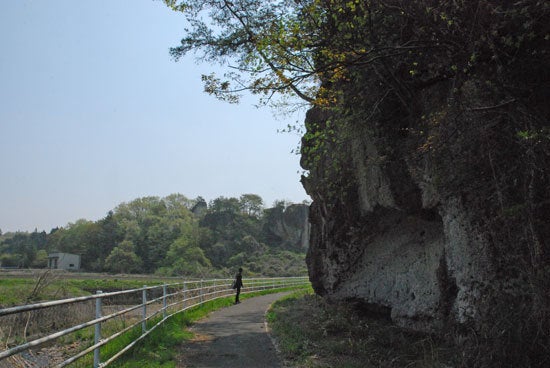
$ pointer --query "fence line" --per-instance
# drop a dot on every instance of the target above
(163, 300)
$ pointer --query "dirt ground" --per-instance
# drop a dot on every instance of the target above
(234, 337)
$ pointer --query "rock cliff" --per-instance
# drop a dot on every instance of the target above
(437, 216)
(397, 245)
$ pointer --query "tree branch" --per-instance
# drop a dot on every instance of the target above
(264, 57)
(485, 108)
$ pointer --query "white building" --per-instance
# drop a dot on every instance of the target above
(64, 261)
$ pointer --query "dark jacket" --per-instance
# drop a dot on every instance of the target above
(239, 281)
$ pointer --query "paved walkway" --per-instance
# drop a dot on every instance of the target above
(234, 337)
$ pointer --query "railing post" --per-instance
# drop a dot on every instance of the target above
(200, 292)
(184, 302)
(144, 314)
(97, 334)
(164, 301)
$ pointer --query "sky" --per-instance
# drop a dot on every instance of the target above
(94, 112)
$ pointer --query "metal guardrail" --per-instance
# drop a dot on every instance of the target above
(149, 306)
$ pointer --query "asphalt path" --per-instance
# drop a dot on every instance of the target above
(233, 337)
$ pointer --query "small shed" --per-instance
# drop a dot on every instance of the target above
(64, 261)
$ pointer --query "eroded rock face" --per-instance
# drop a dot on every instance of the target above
(288, 227)
(392, 241)
(431, 190)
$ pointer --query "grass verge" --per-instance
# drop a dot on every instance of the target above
(313, 333)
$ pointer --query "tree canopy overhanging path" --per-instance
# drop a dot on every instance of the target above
(233, 337)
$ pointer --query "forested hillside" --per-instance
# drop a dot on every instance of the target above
(174, 236)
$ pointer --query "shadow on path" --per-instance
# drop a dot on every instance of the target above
(233, 337)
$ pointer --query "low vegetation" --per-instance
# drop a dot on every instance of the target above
(314, 333)
(47, 285)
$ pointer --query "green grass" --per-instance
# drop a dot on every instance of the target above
(19, 291)
(14, 291)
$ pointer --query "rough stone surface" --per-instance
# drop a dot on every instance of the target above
(289, 227)
(392, 241)
(400, 270)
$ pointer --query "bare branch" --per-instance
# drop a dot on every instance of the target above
(485, 108)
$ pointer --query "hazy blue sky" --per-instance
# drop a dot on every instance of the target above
(94, 112)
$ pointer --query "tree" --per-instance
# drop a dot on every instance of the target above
(41, 259)
(75, 238)
(225, 205)
(153, 223)
(109, 235)
(123, 259)
(9, 260)
(229, 222)
(178, 203)
(89, 239)
(265, 40)
(186, 257)
(251, 204)
(309, 48)
(296, 48)
(22, 246)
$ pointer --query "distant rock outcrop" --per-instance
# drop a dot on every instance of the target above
(288, 227)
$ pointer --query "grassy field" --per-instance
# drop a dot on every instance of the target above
(17, 288)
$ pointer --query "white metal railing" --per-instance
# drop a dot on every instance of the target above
(50, 321)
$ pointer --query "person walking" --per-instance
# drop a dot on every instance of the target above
(238, 284)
